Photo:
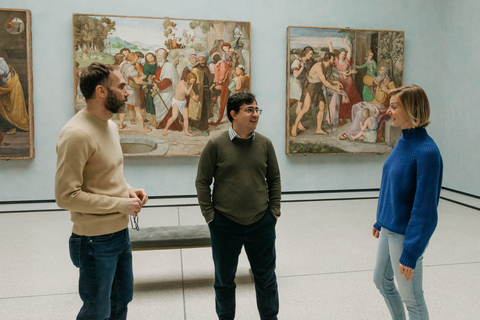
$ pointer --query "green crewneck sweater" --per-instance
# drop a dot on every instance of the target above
(246, 178)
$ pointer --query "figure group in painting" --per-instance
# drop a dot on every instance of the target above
(312, 94)
(326, 78)
(381, 98)
(161, 96)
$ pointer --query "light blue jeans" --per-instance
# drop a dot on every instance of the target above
(387, 267)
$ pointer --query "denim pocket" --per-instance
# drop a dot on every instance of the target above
(74, 245)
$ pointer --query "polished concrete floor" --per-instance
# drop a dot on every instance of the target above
(324, 267)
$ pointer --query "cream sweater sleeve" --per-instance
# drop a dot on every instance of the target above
(74, 189)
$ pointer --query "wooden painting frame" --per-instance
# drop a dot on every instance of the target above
(224, 44)
(343, 129)
(16, 85)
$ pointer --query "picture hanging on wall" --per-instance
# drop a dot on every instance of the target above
(16, 85)
(179, 75)
(337, 90)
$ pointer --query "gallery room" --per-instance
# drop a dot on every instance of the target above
(323, 74)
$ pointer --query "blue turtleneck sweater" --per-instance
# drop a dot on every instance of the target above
(409, 193)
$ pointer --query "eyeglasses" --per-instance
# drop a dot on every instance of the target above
(251, 110)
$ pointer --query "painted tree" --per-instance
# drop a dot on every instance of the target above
(391, 46)
(90, 33)
(169, 28)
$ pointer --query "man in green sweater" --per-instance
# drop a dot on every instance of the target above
(244, 207)
(89, 182)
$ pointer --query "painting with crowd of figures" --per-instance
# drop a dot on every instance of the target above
(16, 85)
(338, 83)
(179, 75)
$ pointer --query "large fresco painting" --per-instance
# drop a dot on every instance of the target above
(338, 83)
(16, 85)
(179, 75)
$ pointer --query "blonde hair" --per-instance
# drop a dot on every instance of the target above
(132, 56)
(366, 113)
(415, 102)
(191, 75)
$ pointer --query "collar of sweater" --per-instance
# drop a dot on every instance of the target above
(414, 133)
(94, 118)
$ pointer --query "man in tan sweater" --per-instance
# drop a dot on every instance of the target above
(89, 182)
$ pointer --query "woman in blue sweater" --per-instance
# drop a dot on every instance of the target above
(407, 205)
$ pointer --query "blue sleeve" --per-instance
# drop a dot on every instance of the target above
(423, 219)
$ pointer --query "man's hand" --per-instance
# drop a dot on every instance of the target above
(137, 199)
(134, 205)
(138, 193)
(406, 271)
(375, 232)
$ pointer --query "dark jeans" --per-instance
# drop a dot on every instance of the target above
(106, 275)
(228, 237)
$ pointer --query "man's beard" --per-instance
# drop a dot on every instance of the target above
(381, 77)
(112, 103)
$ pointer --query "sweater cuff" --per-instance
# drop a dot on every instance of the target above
(377, 226)
(408, 260)
(209, 215)
(123, 205)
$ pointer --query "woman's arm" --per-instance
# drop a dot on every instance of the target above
(349, 50)
(330, 44)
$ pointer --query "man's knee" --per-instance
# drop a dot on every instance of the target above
(321, 106)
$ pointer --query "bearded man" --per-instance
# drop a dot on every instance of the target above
(200, 112)
(89, 182)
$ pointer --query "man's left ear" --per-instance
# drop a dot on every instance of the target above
(101, 91)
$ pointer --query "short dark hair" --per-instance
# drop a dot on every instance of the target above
(94, 75)
(235, 101)
(328, 56)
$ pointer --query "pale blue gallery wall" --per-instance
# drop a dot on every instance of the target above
(423, 21)
(462, 97)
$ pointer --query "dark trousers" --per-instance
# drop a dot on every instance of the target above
(106, 275)
(228, 237)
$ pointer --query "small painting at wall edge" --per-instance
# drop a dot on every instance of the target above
(16, 85)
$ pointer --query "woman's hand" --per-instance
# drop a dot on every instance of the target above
(375, 232)
(406, 271)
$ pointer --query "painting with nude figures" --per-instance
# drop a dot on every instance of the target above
(179, 75)
(338, 83)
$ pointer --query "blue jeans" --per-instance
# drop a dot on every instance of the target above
(387, 267)
(228, 237)
(106, 275)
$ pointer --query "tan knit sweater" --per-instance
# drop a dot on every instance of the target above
(89, 181)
